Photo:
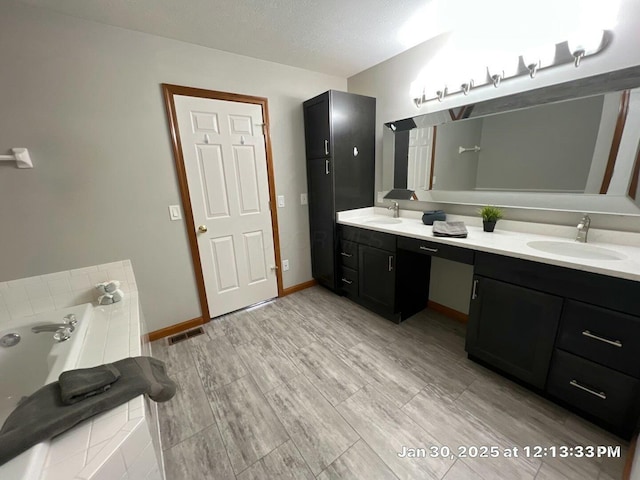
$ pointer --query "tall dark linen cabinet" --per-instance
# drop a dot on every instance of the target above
(340, 144)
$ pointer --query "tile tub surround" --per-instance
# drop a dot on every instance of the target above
(45, 293)
(510, 239)
(119, 443)
(330, 379)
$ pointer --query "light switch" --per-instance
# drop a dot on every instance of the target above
(174, 212)
(303, 199)
(280, 201)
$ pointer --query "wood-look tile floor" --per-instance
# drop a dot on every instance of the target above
(314, 386)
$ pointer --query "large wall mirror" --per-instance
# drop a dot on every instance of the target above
(572, 146)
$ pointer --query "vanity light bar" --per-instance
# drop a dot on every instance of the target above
(580, 45)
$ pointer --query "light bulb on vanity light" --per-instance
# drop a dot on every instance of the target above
(539, 57)
(502, 65)
(585, 42)
(416, 91)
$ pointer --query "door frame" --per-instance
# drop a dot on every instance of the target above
(168, 92)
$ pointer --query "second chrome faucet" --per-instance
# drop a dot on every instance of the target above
(583, 229)
(396, 209)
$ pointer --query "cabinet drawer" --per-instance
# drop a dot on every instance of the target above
(597, 390)
(383, 241)
(349, 281)
(604, 336)
(457, 254)
(348, 254)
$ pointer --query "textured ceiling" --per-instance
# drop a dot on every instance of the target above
(337, 37)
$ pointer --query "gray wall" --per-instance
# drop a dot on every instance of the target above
(455, 171)
(85, 99)
(549, 147)
(390, 83)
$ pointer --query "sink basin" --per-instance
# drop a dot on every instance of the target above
(576, 250)
(384, 220)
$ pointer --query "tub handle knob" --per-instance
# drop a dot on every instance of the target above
(62, 334)
(70, 320)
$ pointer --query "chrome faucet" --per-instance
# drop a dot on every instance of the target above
(52, 327)
(70, 323)
(583, 229)
(396, 209)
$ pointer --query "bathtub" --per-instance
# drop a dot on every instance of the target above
(34, 361)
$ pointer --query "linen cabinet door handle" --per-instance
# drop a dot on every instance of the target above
(602, 395)
(615, 343)
(390, 262)
(326, 167)
(348, 282)
(474, 293)
(345, 254)
(326, 147)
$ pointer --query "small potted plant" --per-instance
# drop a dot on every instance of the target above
(490, 215)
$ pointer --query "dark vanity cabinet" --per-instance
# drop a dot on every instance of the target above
(340, 150)
(572, 334)
(369, 262)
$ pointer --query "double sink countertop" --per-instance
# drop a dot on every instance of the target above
(607, 252)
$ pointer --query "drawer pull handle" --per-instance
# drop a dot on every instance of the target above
(433, 250)
(602, 395)
(348, 282)
(474, 294)
(345, 254)
(615, 343)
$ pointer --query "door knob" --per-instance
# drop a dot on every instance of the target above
(202, 228)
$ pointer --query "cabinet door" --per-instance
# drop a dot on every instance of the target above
(353, 133)
(321, 221)
(377, 275)
(513, 328)
(316, 127)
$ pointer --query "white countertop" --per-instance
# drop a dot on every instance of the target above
(510, 238)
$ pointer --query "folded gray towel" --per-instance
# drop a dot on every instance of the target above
(450, 229)
(76, 385)
(43, 415)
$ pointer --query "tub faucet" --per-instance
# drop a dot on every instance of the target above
(583, 229)
(396, 209)
(52, 327)
(70, 323)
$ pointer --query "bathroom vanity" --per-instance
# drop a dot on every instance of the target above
(567, 326)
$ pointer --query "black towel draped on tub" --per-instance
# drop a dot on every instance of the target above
(78, 395)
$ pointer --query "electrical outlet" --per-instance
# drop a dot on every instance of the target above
(280, 201)
(174, 212)
(285, 265)
(303, 199)
(380, 198)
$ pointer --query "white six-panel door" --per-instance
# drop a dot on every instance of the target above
(224, 155)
